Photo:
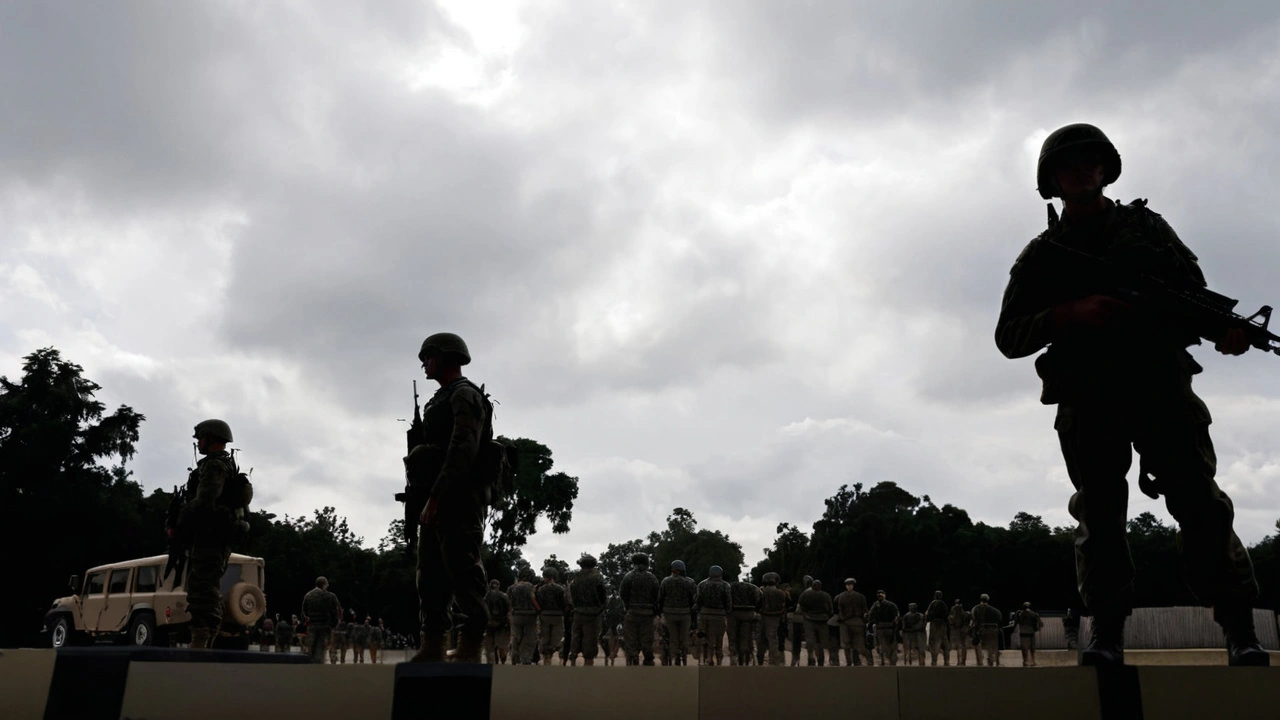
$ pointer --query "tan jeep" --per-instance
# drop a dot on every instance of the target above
(128, 602)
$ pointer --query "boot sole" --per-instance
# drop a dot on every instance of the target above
(1252, 660)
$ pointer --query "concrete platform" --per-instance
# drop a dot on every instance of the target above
(25, 676)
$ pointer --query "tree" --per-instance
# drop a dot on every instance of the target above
(538, 493)
(699, 549)
(615, 561)
(62, 468)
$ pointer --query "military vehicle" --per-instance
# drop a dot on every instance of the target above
(132, 603)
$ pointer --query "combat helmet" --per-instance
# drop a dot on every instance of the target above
(586, 562)
(716, 571)
(1074, 137)
(808, 580)
(912, 606)
(937, 594)
(525, 573)
(550, 572)
(214, 428)
(771, 578)
(678, 565)
(984, 598)
(445, 344)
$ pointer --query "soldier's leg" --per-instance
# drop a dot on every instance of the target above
(645, 630)
(715, 638)
(731, 631)
(1215, 564)
(860, 649)
(206, 566)
(502, 643)
(920, 645)
(631, 638)
(490, 647)
(434, 590)
(832, 645)
(960, 640)
(590, 631)
(460, 545)
(319, 639)
(373, 654)
(946, 644)
(678, 626)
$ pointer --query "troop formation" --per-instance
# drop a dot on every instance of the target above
(1111, 292)
(280, 634)
(674, 619)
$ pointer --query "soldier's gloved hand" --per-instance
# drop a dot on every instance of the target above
(1235, 342)
(1094, 311)
(429, 512)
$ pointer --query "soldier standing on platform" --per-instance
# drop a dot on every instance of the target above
(773, 607)
(524, 617)
(986, 624)
(796, 620)
(675, 603)
(961, 624)
(913, 632)
(816, 606)
(712, 602)
(936, 616)
(1029, 623)
(639, 593)
(552, 599)
(883, 617)
(746, 601)
(497, 637)
(851, 608)
(589, 598)
(322, 611)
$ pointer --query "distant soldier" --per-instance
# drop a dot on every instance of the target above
(986, 623)
(851, 609)
(285, 632)
(377, 636)
(338, 642)
(1071, 628)
(746, 601)
(883, 617)
(661, 640)
(497, 637)
(589, 599)
(639, 593)
(268, 636)
(322, 611)
(552, 600)
(675, 604)
(773, 607)
(524, 617)
(1029, 623)
(611, 630)
(939, 642)
(913, 634)
(816, 607)
(796, 621)
(960, 622)
(712, 601)
(360, 638)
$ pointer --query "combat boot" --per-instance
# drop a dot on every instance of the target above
(1243, 648)
(432, 649)
(1106, 641)
(468, 649)
(201, 638)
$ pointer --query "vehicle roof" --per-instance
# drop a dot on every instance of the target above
(235, 558)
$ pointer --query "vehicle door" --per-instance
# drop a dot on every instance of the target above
(115, 611)
(93, 599)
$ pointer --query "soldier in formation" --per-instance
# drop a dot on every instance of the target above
(524, 617)
(284, 633)
(816, 607)
(796, 620)
(1121, 376)
(675, 605)
(611, 632)
(552, 600)
(773, 608)
(939, 641)
(1071, 628)
(377, 636)
(742, 618)
(338, 641)
(851, 610)
(960, 620)
(457, 423)
(883, 617)
(360, 639)
(639, 593)
(913, 635)
(322, 612)
(712, 602)
(1029, 623)
(268, 635)
(986, 628)
(588, 597)
(497, 638)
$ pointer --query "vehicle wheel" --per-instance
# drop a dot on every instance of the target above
(245, 604)
(142, 630)
(60, 636)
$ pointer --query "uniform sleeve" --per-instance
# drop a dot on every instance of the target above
(211, 477)
(624, 590)
(601, 596)
(464, 444)
(1025, 325)
(1188, 260)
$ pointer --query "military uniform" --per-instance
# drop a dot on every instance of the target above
(456, 423)
(553, 600)
(206, 523)
(322, 611)
(851, 608)
(913, 633)
(589, 598)
(1122, 386)
(1029, 623)
(960, 622)
(713, 601)
(883, 616)
(611, 629)
(377, 636)
(524, 621)
(639, 593)
(795, 621)
(986, 624)
(1071, 629)
(939, 643)
(497, 638)
(745, 598)
(816, 606)
(773, 607)
(268, 636)
(360, 640)
(675, 603)
(284, 636)
(338, 642)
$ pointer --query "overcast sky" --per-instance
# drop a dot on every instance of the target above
(719, 255)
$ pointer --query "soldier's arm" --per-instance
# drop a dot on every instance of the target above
(601, 596)
(1026, 316)
(211, 476)
(464, 444)
(624, 590)
(1190, 263)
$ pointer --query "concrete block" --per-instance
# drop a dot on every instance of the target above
(984, 693)
(1198, 693)
(538, 692)
(25, 676)
(731, 693)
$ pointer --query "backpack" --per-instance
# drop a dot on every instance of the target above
(237, 492)
(496, 462)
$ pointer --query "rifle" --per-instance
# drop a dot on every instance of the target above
(1199, 310)
(177, 538)
(413, 438)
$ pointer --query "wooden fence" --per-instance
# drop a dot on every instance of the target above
(1165, 628)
